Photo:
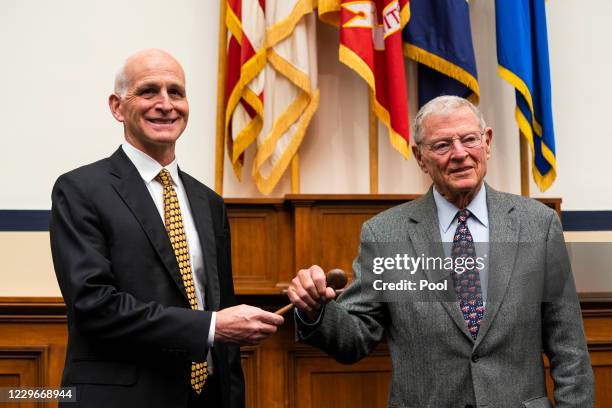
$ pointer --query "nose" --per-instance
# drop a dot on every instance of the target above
(164, 103)
(458, 151)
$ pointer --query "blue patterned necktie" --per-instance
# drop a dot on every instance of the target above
(467, 284)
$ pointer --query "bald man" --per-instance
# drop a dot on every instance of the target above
(142, 255)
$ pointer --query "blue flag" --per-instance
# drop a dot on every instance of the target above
(439, 38)
(522, 55)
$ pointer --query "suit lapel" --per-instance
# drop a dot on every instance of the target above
(133, 191)
(503, 246)
(425, 237)
(201, 212)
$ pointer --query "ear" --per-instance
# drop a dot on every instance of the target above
(114, 103)
(416, 151)
(488, 140)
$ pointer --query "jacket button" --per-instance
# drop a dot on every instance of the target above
(475, 360)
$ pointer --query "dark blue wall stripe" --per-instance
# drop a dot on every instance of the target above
(24, 220)
(38, 220)
(587, 220)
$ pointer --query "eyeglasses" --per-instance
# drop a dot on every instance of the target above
(444, 146)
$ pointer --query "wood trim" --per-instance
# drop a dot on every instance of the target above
(350, 197)
(554, 203)
(38, 354)
(312, 199)
(595, 297)
(250, 359)
(31, 300)
(32, 309)
(253, 201)
(279, 372)
(303, 231)
(28, 306)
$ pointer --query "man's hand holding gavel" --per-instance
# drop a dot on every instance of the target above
(245, 325)
(311, 289)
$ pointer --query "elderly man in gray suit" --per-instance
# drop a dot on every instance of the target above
(482, 345)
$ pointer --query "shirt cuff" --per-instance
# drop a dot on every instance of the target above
(305, 321)
(211, 330)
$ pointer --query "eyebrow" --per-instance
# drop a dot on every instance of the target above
(145, 85)
(441, 138)
(155, 84)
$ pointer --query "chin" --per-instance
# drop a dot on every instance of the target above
(163, 138)
(464, 186)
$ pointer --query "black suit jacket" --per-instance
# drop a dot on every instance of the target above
(131, 334)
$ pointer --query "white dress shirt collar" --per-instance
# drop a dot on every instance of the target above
(447, 211)
(147, 166)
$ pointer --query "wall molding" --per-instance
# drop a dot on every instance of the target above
(279, 372)
(587, 220)
(38, 220)
(28, 363)
(24, 220)
(593, 304)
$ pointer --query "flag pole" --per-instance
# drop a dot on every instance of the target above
(295, 174)
(373, 137)
(221, 77)
(524, 165)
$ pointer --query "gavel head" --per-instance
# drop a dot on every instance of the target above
(336, 279)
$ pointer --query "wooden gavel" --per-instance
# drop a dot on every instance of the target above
(335, 279)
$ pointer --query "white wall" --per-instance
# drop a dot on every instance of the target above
(59, 58)
(581, 71)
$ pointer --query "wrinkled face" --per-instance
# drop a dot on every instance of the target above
(461, 170)
(154, 109)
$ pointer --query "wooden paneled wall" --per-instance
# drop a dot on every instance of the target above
(271, 239)
(279, 373)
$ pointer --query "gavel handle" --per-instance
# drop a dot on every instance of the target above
(283, 310)
(335, 279)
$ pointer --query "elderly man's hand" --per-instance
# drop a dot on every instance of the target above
(308, 291)
(245, 325)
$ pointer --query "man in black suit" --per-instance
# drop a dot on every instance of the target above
(142, 255)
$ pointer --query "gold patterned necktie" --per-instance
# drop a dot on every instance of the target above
(176, 231)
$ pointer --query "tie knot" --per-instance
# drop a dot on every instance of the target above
(463, 215)
(164, 178)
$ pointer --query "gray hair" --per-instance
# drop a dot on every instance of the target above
(121, 81)
(441, 105)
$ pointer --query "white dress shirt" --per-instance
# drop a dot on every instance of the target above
(477, 223)
(149, 168)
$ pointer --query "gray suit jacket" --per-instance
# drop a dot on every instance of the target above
(531, 308)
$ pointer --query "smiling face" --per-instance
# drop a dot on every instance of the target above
(154, 108)
(457, 174)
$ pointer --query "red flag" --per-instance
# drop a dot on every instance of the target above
(371, 44)
(246, 59)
